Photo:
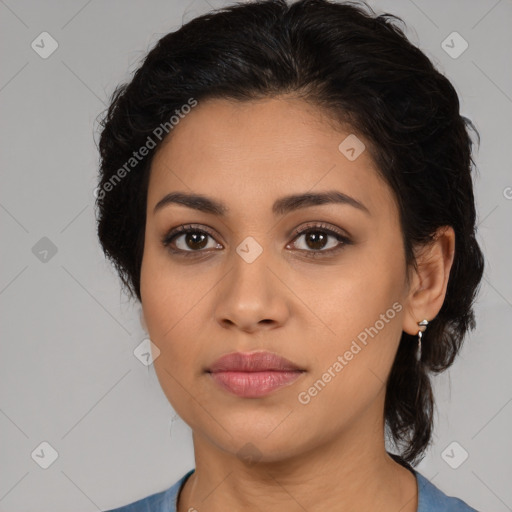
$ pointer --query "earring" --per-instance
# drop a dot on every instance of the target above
(423, 323)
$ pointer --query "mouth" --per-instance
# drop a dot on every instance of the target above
(253, 375)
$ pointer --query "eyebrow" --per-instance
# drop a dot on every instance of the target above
(281, 206)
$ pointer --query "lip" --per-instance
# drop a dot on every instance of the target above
(252, 362)
(253, 375)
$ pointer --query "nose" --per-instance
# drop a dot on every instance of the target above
(251, 297)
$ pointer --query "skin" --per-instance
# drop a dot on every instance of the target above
(328, 454)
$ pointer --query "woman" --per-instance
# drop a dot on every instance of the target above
(287, 191)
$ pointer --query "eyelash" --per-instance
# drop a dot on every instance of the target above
(303, 230)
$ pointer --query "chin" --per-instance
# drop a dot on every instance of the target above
(259, 439)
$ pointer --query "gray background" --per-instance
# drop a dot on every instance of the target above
(68, 373)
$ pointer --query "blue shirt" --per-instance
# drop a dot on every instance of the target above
(430, 499)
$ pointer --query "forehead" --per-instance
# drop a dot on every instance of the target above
(246, 152)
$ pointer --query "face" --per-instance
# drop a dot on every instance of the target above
(320, 283)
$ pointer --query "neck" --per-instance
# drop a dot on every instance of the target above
(350, 471)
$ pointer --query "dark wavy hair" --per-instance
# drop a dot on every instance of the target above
(360, 69)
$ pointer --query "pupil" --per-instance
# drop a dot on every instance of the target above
(317, 239)
(196, 240)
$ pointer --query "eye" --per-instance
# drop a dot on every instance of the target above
(319, 239)
(189, 239)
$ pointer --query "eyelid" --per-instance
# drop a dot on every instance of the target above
(343, 237)
(320, 225)
(183, 229)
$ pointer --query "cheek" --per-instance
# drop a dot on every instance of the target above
(172, 303)
(357, 296)
(351, 372)
(362, 304)
(164, 292)
(163, 298)
(169, 308)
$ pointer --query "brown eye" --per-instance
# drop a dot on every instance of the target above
(316, 240)
(193, 240)
(187, 239)
(319, 241)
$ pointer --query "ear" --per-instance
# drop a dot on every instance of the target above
(429, 282)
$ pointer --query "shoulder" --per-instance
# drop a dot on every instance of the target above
(430, 498)
(163, 501)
